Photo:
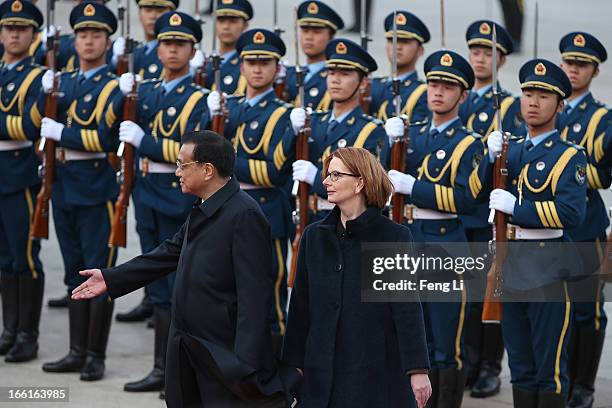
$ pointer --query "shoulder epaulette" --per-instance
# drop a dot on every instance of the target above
(420, 123)
(371, 118)
(570, 144)
(150, 81)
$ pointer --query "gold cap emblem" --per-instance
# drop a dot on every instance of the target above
(227, 1)
(89, 10)
(312, 8)
(400, 19)
(341, 48)
(16, 7)
(579, 40)
(259, 38)
(175, 20)
(446, 60)
(540, 69)
(485, 29)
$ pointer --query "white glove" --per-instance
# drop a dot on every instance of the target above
(305, 171)
(494, 144)
(395, 128)
(214, 101)
(402, 183)
(118, 48)
(197, 61)
(51, 129)
(47, 32)
(298, 119)
(503, 201)
(131, 133)
(126, 82)
(47, 81)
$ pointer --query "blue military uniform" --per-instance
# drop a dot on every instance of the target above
(479, 115)
(548, 177)
(21, 271)
(441, 158)
(313, 14)
(412, 89)
(83, 194)
(257, 127)
(585, 122)
(232, 83)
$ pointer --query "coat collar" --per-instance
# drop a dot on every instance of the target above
(353, 226)
(216, 201)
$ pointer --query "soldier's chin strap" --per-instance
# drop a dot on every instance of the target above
(354, 92)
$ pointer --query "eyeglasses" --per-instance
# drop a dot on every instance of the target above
(337, 175)
(181, 166)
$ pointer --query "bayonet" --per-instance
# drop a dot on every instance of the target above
(536, 29)
(442, 25)
(363, 29)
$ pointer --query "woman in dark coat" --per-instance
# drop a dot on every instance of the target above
(353, 354)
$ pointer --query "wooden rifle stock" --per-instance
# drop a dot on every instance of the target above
(40, 221)
(398, 162)
(218, 118)
(118, 234)
(301, 153)
(492, 307)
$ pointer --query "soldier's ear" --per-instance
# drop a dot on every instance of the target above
(420, 50)
(596, 71)
(464, 95)
(502, 61)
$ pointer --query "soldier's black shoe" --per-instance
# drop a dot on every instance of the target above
(140, 313)
(550, 399)
(71, 363)
(30, 304)
(581, 398)
(58, 302)
(487, 384)
(524, 398)
(93, 369)
(154, 381)
(78, 313)
(10, 312)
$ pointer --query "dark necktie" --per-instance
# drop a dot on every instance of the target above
(567, 110)
(81, 79)
(333, 124)
(528, 145)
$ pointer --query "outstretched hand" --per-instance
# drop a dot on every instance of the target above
(92, 287)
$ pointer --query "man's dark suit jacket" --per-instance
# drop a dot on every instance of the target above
(222, 255)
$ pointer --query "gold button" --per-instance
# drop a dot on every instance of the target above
(174, 184)
(442, 230)
(96, 164)
(537, 180)
(437, 169)
(514, 182)
(16, 153)
(262, 199)
(542, 244)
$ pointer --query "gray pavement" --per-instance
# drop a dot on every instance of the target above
(131, 345)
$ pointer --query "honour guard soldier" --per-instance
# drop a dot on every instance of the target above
(146, 61)
(168, 108)
(148, 66)
(412, 33)
(348, 66)
(36, 50)
(484, 343)
(21, 271)
(584, 122)
(545, 197)
(257, 123)
(437, 195)
(84, 188)
(318, 24)
(232, 20)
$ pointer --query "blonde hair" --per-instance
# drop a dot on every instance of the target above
(377, 186)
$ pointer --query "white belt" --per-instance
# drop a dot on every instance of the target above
(515, 232)
(6, 145)
(247, 186)
(71, 155)
(149, 166)
(321, 204)
(412, 212)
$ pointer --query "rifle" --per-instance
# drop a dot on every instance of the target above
(365, 97)
(300, 215)
(219, 117)
(492, 307)
(281, 77)
(40, 222)
(400, 146)
(122, 61)
(125, 176)
(200, 73)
